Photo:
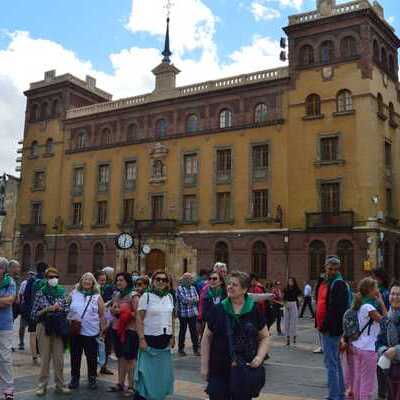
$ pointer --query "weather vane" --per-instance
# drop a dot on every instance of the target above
(168, 7)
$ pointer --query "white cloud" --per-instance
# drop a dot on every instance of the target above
(132, 67)
(262, 12)
(292, 3)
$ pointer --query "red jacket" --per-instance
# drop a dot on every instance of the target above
(258, 288)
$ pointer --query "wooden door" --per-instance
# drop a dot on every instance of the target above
(155, 260)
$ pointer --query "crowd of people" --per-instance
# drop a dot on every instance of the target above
(229, 317)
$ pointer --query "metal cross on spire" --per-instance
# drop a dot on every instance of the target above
(168, 6)
(167, 51)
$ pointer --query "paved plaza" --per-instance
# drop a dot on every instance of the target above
(293, 373)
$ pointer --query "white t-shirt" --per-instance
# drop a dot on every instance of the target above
(158, 318)
(307, 291)
(367, 341)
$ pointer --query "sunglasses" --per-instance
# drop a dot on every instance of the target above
(164, 280)
(214, 278)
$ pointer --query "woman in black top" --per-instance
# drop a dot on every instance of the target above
(235, 340)
(291, 295)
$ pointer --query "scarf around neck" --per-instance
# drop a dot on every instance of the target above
(125, 292)
(87, 293)
(213, 293)
(55, 292)
(159, 293)
(247, 307)
(337, 276)
(5, 282)
(369, 300)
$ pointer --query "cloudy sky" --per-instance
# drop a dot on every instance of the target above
(119, 41)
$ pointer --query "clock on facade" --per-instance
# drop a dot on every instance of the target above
(146, 249)
(124, 241)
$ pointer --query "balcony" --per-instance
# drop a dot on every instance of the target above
(330, 220)
(32, 231)
(156, 226)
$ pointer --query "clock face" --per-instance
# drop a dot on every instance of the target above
(146, 249)
(124, 241)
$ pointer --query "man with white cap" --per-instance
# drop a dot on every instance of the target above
(8, 293)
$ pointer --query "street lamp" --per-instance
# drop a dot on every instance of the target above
(286, 250)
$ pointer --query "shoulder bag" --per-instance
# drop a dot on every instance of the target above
(75, 324)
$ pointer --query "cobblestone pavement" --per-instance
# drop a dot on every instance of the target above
(293, 373)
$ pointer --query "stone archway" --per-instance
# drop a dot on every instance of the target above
(155, 260)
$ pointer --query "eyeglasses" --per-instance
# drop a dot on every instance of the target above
(161, 280)
(213, 278)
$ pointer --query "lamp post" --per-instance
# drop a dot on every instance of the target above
(3, 213)
(286, 250)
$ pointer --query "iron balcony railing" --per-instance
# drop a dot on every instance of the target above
(330, 220)
(33, 230)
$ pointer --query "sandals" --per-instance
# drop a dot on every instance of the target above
(116, 388)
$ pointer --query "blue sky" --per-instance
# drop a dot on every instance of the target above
(119, 42)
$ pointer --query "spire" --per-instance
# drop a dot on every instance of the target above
(167, 52)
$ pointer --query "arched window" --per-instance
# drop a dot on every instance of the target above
(316, 256)
(327, 52)
(387, 257)
(259, 259)
(98, 257)
(225, 118)
(384, 60)
(344, 101)
(161, 128)
(35, 112)
(222, 253)
(392, 66)
(73, 255)
(376, 52)
(49, 146)
(26, 257)
(131, 134)
(34, 149)
(345, 253)
(44, 110)
(380, 104)
(54, 108)
(39, 253)
(396, 266)
(348, 47)
(392, 115)
(105, 137)
(260, 114)
(306, 56)
(313, 105)
(81, 140)
(192, 123)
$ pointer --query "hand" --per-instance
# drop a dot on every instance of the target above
(143, 344)
(56, 307)
(172, 342)
(255, 363)
(390, 353)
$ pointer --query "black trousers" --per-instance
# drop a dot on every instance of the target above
(80, 344)
(307, 302)
(183, 323)
(278, 316)
(383, 384)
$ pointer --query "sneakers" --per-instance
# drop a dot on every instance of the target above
(106, 371)
(21, 347)
(182, 353)
(318, 350)
(196, 353)
(62, 390)
(41, 391)
(92, 383)
(74, 384)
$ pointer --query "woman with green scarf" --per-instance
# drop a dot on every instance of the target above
(154, 377)
(216, 293)
(87, 307)
(234, 345)
(50, 309)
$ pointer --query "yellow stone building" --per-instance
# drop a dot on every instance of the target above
(268, 171)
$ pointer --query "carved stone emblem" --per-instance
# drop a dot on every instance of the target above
(327, 73)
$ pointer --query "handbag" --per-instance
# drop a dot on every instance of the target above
(75, 324)
(245, 381)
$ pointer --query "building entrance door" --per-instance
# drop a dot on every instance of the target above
(155, 260)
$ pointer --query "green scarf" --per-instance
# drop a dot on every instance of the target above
(213, 293)
(159, 293)
(5, 282)
(247, 307)
(125, 292)
(337, 276)
(55, 292)
(87, 293)
(369, 300)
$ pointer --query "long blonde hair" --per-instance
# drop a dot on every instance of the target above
(95, 285)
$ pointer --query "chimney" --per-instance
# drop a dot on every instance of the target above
(49, 75)
(90, 81)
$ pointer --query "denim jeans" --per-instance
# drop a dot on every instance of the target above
(6, 373)
(333, 367)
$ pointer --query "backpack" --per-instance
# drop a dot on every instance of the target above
(351, 326)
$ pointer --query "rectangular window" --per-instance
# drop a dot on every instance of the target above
(388, 155)
(157, 207)
(389, 202)
(103, 178)
(36, 213)
(101, 213)
(260, 203)
(224, 163)
(129, 210)
(329, 148)
(191, 168)
(223, 206)
(330, 197)
(130, 174)
(39, 180)
(189, 208)
(77, 214)
(260, 160)
(78, 177)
